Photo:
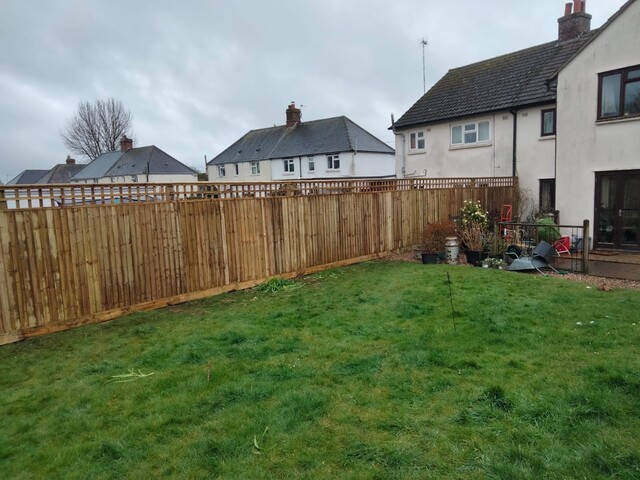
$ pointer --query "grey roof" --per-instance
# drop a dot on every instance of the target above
(317, 137)
(147, 160)
(510, 81)
(61, 173)
(27, 177)
(98, 167)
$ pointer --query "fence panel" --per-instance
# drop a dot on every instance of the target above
(82, 263)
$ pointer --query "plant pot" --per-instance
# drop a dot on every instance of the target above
(429, 258)
(473, 258)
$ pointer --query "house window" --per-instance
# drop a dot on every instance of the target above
(547, 199)
(221, 171)
(236, 169)
(416, 141)
(548, 122)
(289, 166)
(333, 162)
(312, 164)
(255, 168)
(619, 93)
(471, 133)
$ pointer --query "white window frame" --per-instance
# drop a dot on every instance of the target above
(221, 170)
(333, 163)
(289, 165)
(255, 168)
(468, 128)
(311, 164)
(415, 141)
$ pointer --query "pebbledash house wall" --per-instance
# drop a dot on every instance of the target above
(535, 154)
(586, 146)
(440, 159)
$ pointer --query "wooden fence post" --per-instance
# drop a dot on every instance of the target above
(3, 199)
(585, 246)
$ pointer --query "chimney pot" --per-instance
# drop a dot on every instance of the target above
(575, 24)
(567, 9)
(125, 144)
(70, 161)
(294, 115)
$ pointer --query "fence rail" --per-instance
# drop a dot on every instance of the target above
(64, 195)
(62, 267)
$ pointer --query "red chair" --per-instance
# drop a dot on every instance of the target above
(506, 215)
(563, 245)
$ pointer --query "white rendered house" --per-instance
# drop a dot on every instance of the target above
(320, 149)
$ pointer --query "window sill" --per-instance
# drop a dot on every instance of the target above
(472, 145)
(288, 174)
(337, 170)
(417, 152)
(546, 137)
(630, 118)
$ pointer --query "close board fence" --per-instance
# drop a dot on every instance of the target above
(67, 266)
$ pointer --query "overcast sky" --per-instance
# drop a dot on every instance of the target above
(197, 75)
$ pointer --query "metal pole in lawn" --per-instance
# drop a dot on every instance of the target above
(453, 316)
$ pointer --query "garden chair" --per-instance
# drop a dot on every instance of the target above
(563, 245)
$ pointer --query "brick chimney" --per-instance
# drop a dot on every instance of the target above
(125, 144)
(573, 25)
(294, 115)
(70, 161)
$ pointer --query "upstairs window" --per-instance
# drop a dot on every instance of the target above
(311, 164)
(255, 168)
(289, 166)
(470, 133)
(221, 171)
(236, 169)
(416, 141)
(548, 122)
(333, 162)
(619, 93)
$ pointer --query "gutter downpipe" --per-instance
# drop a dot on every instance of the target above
(395, 132)
(514, 164)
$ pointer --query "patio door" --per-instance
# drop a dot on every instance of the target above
(617, 210)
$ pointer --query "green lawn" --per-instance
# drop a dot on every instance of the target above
(354, 373)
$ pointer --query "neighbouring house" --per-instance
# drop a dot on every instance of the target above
(61, 173)
(141, 164)
(319, 149)
(31, 197)
(27, 177)
(560, 116)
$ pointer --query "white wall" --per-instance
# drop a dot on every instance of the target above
(535, 154)
(244, 173)
(361, 164)
(440, 159)
(585, 146)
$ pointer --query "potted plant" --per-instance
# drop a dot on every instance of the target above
(474, 223)
(435, 237)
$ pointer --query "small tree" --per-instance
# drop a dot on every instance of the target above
(97, 127)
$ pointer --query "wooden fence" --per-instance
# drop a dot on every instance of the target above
(67, 266)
